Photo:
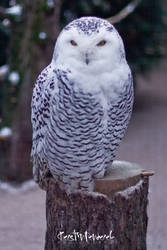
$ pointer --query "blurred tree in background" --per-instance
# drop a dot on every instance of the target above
(28, 30)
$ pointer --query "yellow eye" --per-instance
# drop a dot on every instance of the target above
(101, 43)
(73, 43)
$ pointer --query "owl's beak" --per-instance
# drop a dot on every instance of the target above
(87, 60)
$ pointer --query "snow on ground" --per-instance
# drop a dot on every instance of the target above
(22, 220)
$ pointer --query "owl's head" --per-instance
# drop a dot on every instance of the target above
(89, 42)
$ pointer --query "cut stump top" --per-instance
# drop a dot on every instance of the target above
(120, 176)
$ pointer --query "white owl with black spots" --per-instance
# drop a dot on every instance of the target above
(81, 105)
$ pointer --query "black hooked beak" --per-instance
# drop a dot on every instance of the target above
(87, 58)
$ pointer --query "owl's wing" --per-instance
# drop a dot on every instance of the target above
(120, 114)
(40, 115)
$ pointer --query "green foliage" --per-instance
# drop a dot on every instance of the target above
(73, 9)
(143, 33)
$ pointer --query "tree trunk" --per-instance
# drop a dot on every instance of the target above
(114, 218)
(34, 54)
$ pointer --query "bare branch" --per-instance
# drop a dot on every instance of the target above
(147, 173)
(124, 12)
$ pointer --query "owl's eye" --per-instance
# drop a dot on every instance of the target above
(101, 43)
(73, 43)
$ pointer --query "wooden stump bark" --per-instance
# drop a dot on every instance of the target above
(114, 217)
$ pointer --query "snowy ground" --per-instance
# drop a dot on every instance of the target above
(22, 220)
(22, 214)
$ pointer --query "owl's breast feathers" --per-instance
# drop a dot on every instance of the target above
(73, 133)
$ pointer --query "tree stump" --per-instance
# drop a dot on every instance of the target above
(113, 217)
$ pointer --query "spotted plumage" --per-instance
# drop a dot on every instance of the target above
(81, 105)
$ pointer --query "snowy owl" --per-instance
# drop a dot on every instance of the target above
(81, 105)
